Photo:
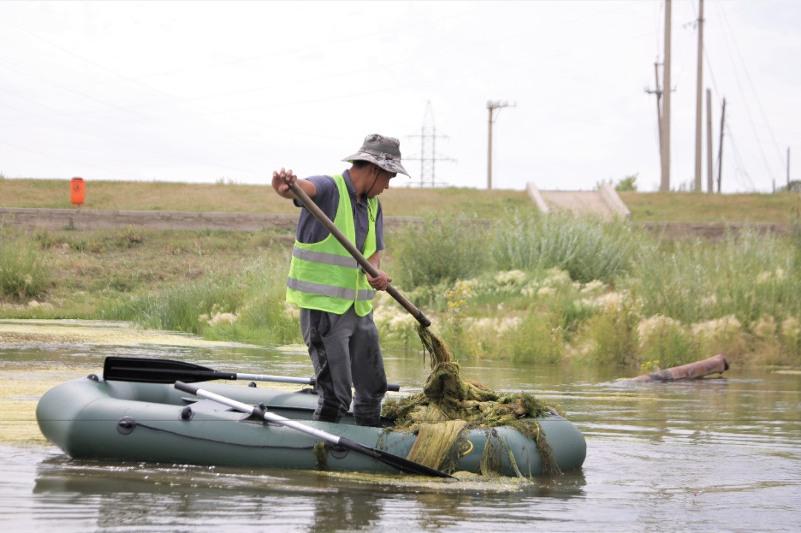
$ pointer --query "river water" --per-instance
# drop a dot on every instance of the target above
(718, 454)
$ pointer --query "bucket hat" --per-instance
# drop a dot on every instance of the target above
(381, 151)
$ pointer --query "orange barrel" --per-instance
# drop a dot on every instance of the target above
(77, 191)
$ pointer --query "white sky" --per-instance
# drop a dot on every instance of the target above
(203, 91)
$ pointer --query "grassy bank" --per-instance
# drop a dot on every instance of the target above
(781, 208)
(515, 285)
(547, 289)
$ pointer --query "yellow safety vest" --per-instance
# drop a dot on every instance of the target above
(323, 275)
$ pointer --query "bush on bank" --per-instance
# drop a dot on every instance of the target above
(246, 307)
(565, 289)
(23, 273)
(543, 289)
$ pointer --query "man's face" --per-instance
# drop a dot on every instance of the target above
(381, 182)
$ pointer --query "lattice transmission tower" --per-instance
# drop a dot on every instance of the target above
(428, 156)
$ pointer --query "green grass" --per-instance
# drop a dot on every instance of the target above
(23, 273)
(781, 208)
(498, 280)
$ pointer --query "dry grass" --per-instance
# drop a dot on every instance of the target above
(781, 208)
(162, 196)
(89, 267)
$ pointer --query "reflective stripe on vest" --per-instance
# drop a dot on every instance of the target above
(322, 257)
(323, 275)
(328, 290)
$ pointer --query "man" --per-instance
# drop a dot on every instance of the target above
(333, 293)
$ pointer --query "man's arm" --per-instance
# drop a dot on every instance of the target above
(382, 281)
(283, 178)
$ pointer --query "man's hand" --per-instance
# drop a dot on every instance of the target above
(282, 179)
(380, 282)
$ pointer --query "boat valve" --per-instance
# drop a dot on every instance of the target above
(186, 413)
(126, 425)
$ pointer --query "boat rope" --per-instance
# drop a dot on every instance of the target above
(217, 441)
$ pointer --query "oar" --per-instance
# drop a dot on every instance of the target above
(309, 204)
(402, 464)
(146, 370)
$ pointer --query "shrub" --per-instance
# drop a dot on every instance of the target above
(664, 343)
(747, 276)
(441, 249)
(23, 273)
(584, 248)
(248, 307)
(539, 338)
(613, 333)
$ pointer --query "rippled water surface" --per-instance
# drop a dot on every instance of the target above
(720, 454)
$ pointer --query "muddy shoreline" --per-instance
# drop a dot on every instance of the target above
(90, 219)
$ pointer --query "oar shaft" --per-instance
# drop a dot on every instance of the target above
(247, 408)
(301, 381)
(318, 213)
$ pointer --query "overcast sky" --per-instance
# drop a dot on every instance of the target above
(204, 91)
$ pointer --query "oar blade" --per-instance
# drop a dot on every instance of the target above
(145, 370)
(395, 461)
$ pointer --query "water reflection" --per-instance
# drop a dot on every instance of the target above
(711, 455)
(153, 496)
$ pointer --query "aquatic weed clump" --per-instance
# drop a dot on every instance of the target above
(449, 405)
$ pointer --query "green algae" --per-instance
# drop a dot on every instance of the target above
(448, 406)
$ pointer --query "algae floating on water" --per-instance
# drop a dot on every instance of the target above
(449, 405)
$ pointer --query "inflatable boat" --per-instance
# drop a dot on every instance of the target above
(93, 418)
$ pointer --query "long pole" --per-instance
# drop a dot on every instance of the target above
(664, 184)
(710, 179)
(368, 267)
(699, 106)
(788, 168)
(720, 143)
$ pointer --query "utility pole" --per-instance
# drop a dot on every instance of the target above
(664, 184)
(699, 106)
(720, 143)
(492, 105)
(710, 179)
(788, 169)
(658, 92)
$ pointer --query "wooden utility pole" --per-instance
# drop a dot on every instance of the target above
(710, 179)
(492, 105)
(658, 92)
(664, 183)
(720, 142)
(788, 169)
(699, 105)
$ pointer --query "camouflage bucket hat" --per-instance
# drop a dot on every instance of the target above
(381, 151)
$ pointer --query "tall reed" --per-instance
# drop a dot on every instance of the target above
(248, 306)
(440, 249)
(583, 247)
(747, 275)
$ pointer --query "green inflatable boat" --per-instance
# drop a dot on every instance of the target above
(91, 418)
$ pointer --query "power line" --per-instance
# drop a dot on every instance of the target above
(732, 39)
(753, 89)
(738, 160)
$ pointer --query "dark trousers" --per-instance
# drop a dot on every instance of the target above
(345, 352)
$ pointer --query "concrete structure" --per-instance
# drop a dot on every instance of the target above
(604, 203)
